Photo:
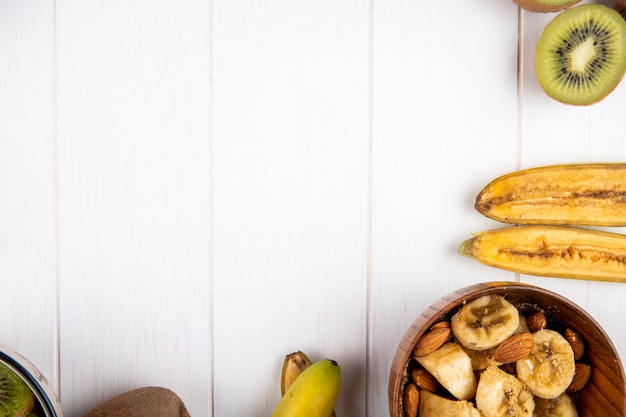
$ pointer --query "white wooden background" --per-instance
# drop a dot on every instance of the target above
(191, 189)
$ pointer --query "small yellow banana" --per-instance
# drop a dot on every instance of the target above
(313, 393)
(295, 363)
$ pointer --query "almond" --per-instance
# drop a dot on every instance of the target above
(439, 324)
(576, 342)
(411, 400)
(431, 341)
(581, 377)
(536, 321)
(514, 348)
(424, 380)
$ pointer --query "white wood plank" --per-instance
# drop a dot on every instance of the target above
(444, 120)
(290, 196)
(28, 244)
(134, 192)
(557, 133)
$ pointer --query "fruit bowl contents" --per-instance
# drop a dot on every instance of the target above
(503, 349)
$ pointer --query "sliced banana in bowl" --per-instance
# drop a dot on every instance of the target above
(550, 367)
(485, 322)
(535, 373)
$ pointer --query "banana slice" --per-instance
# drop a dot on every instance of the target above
(485, 322)
(550, 367)
(523, 325)
(503, 395)
(561, 406)
(452, 367)
(433, 405)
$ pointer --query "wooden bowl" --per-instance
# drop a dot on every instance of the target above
(604, 395)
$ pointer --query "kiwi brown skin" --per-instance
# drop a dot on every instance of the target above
(539, 7)
(620, 6)
(142, 402)
(568, 39)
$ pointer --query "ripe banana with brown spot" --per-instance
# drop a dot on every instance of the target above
(570, 194)
(294, 364)
(552, 251)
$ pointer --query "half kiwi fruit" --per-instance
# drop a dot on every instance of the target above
(545, 5)
(16, 397)
(581, 54)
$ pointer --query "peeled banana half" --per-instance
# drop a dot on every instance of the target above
(552, 251)
(569, 194)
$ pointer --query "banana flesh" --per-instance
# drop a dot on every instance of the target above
(452, 367)
(500, 394)
(313, 393)
(562, 406)
(552, 251)
(485, 322)
(433, 405)
(550, 367)
(569, 194)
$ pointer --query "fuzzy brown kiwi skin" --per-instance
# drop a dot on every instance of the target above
(620, 6)
(535, 6)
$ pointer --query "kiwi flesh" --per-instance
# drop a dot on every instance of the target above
(545, 6)
(16, 398)
(581, 54)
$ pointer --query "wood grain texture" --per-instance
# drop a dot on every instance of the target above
(134, 206)
(28, 211)
(436, 141)
(290, 193)
(190, 190)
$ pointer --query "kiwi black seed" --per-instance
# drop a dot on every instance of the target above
(16, 398)
(581, 54)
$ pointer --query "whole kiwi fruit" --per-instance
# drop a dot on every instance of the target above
(545, 6)
(16, 398)
(142, 402)
(581, 54)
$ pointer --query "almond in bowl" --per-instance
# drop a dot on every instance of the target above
(518, 350)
